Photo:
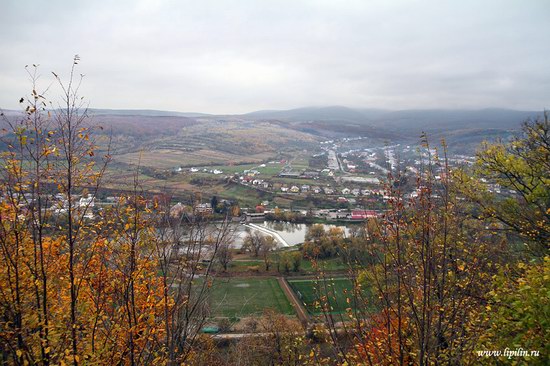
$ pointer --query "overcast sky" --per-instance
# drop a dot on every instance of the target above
(239, 56)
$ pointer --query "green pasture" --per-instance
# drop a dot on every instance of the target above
(239, 297)
(247, 196)
(311, 292)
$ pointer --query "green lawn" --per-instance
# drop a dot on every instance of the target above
(336, 290)
(238, 297)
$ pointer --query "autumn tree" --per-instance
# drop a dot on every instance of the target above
(320, 243)
(29, 146)
(253, 243)
(418, 301)
(51, 147)
(268, 246)
(77, 174)
(280, 342)
(84, 285)
(224, 255)
(522, 169)
(515, 313)
(290, 261)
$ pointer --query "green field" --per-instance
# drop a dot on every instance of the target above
(239, 297)
(247, 196)
(336, 290)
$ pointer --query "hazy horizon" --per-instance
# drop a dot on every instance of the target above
(21, 108)
(224, 57)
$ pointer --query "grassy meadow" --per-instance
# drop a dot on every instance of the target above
(239, 297)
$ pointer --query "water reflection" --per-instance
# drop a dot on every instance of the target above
(292, 233)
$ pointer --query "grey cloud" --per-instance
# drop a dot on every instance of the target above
(238, 56)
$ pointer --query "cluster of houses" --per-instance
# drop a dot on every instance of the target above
(251, 180)
(305, 188)
(58, 204)
(331, 191)
(497, 188)
(344, 188)
(325, 214)
(204, 170)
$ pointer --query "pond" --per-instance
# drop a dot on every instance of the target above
(292, 233)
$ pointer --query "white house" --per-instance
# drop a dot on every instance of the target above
(88, 201)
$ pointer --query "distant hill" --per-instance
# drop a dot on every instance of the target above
(416, 121)
(128, 122)
(405, 121)
(142, 125)
(143, 113)
(334, 113)
(459, 127)
(126, 112)
(463, 130)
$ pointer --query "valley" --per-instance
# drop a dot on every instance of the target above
(325, 158)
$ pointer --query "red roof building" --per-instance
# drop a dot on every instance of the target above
(362, 214)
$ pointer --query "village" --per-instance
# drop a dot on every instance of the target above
(340, 181)
(333, 183)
